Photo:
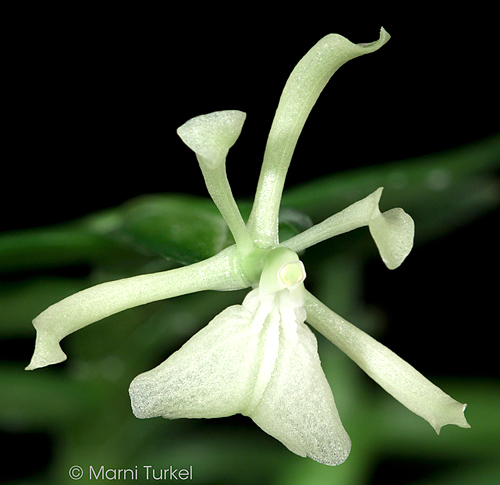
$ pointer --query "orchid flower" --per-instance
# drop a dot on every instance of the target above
(260, 358)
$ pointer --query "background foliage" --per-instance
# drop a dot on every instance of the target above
(96, 175)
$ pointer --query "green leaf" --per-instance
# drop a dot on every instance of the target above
(43, 399)
(183, 228)
(21, 301)
(53, 247)
(292, 222)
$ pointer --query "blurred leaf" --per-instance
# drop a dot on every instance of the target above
(184, 228)
(53, 247)
(44, 398)
(229, 447)
(428, 187)
(487, 473)
(292, 222)
(21, 301)
(85, 404)
(440, 191)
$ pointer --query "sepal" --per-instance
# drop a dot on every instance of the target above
(390, 371)
(97, 302)
(47, 348)
(393, 231)
(302, 89)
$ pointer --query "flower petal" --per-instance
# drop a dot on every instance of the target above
(208, 377)
(100, 301)
(211, 135)
(249, 360)
(353, 217)
(302, 89)
(297, 407)
(391, 372)
(393, 232)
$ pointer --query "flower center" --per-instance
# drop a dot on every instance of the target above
(292, 274)
(282, 270)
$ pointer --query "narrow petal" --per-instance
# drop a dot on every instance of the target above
(297, 407)
(356, 215)
(208, 377)
(211, 136)
(391, 372)
(88, 306)
(393, 231)
(305, 84)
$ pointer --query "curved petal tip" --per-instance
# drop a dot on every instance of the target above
(47, 351)
(454, 413)
(393, 232)
(383, 39)
(211, 135)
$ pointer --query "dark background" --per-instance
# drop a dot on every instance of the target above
(94, 98)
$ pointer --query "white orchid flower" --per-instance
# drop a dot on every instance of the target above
(260, 358)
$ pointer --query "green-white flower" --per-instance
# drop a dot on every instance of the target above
(260, 358)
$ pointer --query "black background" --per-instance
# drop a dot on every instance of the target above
(93, 98)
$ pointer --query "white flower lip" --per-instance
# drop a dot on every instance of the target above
(260, 358)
